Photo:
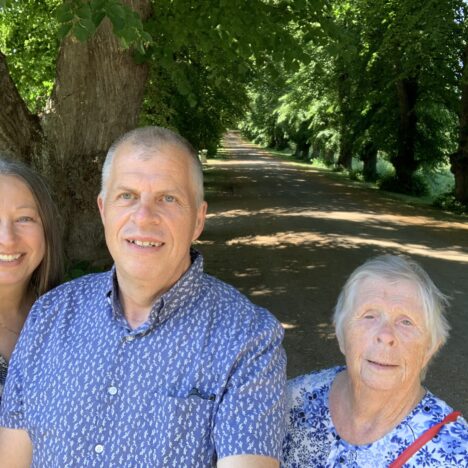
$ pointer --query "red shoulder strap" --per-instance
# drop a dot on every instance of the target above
(422, 440)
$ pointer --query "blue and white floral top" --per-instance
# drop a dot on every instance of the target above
(312, 441)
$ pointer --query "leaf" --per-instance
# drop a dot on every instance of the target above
(64, 13)
(97, 17)
(84, 12)
(116, 14)
(81, 32)
(64, 29)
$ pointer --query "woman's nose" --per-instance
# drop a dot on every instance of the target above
(7, 233)
(386, 333)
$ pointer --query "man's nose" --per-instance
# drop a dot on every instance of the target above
(146, 212)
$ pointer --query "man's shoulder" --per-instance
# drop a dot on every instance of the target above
(231, 305)
(86, 287)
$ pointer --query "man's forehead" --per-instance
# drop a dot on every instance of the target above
(134, 149)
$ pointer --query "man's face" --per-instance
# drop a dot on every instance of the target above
(150, 214)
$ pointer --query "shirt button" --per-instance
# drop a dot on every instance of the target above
(99, 448)
(112, 390)
(129, 338)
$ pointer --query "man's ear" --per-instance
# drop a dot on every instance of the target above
(200, 221)
(100, 203)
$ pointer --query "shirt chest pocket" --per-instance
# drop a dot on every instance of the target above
(180, 427)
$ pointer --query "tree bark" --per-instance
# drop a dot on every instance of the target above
(20, 130)
(345, 157)
(459, 160)
(369, 158)
(405, 162)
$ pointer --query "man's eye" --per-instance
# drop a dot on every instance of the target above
(126, 196)
(169, 198)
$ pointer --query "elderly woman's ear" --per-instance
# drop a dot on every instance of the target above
(432, 352)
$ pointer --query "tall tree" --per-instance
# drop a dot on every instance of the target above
(100, 76)
(459, 159)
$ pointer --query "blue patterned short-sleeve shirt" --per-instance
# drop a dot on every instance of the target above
(202, 379)
(312, 441)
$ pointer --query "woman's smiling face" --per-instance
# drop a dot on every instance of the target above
(22, 242)
(386, 341)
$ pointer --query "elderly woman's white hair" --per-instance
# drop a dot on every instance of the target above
(396, 268)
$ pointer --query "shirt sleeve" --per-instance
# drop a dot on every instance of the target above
(250, 416)
(12, 411)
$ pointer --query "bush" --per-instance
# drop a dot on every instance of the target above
(417, 186)
(448, 202)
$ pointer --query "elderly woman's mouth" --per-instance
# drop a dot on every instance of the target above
(382, 365)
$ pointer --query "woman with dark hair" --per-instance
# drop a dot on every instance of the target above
(31, 260)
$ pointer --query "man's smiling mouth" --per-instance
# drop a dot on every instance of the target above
(145, 243)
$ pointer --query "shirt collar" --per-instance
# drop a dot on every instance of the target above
(187, 287)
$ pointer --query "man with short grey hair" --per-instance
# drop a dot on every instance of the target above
(155, 363)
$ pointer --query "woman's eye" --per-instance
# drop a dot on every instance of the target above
(169, 198)
(407, 322)
(25, 219)
(369, 314)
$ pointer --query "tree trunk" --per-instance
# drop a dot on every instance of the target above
(405, 161)
(369, 158)
(20, 131)
(345, 158)
(302, 150)
(97, 96)
(328, 156)
(459, 160)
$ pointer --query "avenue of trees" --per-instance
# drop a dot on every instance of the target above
(352, 78)
(382, 77)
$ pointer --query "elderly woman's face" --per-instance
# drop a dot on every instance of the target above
(386, 342)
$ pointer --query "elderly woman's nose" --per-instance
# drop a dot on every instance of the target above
(386, 333)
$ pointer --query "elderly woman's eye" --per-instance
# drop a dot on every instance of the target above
(169, 198)
(407, 322)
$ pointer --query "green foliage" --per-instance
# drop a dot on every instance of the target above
(344, 97)
(201, 54)
(28, 39)
(82, 18)
(448, 202)
(417, 185)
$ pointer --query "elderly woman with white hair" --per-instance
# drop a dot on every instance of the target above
(375, 412)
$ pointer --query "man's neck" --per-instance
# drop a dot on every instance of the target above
(136, 303)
